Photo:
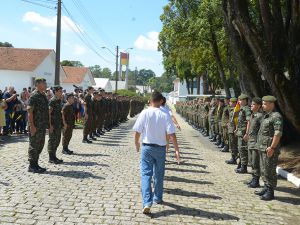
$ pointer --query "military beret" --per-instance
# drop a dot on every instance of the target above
(257, 100)
(69, 95)
(243, 96)
(269, 98)
(233, 100)
(57, 87)
(39, 80)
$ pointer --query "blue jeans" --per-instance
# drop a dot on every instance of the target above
(152, 163)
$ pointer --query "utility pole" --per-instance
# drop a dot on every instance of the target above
(117, 59)
(58, 34)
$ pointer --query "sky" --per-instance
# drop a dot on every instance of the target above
(87, 26)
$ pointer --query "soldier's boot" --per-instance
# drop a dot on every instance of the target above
(268, 195)
(86, 140)
(231, 161)
(254, 183)
(225, 149)
(67, 151)
(214, 138)
(96, 134)
(262, 191)
(41, 169)
(242, 169)
(238, 167)
(32, 168)
(53, 159)
(92, 137)
(206, 134)
(221, 145)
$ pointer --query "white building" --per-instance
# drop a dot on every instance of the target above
(79, 76)
(180, 91)
(121, 85)
(103, 83)
(142, 89)
(20, 66)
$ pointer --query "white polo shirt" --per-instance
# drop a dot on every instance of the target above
(154, 124)
(166, 109)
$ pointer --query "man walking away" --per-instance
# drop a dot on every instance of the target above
(156, 127)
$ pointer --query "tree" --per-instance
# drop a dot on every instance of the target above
(6, 44)
(71, 63)
(101, 73)
(143, 76)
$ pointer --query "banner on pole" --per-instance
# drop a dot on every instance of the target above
(124, 59)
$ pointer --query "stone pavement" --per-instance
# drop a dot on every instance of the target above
(100, 185)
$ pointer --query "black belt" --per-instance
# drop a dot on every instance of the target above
(153, 145)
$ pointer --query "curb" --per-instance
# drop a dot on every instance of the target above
(289, 176)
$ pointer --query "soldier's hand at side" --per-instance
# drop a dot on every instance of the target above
(246, 137)
(32, 130)
(270, 152)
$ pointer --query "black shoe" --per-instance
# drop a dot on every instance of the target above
(41, 169)
(218, 142)
(32, 168)
(231, 161)
(254, 183)
(97, 134)
(225, 149)
(268, 195)
(86, 141)
(241, 168)
(56, 161)
(261, 192)
(93, 138)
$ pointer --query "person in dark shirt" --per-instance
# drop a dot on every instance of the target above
(10, 98)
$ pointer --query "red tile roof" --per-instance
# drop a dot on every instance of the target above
(22, 59)
(74, 75)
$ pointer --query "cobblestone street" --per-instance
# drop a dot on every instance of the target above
(100, 185)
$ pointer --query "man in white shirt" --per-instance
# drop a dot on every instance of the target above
(156, 127)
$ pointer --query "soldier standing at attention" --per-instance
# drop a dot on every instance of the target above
(243, 118)
(268, 141)
(224, 124)
(88, 116)
(68, 118)
(231, 135)
(211, 117)
(55, 122)
(38, 123)
(251, 138)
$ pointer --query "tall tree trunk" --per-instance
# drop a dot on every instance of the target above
(188, 85)
(192, 86)
(205, 83)
(198, 84)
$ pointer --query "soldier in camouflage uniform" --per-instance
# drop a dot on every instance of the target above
(55, 124)
(251, 138)
(205, 117)
(218, 125)
(88, 116)
(231, 134)
(68, 118)
(211, 117)
(268, 142)
(243, 118)
(224, 124)
(38, 123)
(96, 113)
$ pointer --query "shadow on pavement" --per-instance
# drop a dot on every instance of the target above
(13, 139)
(184, 180)
(186, 170)
(290, 200)
(192, 158)
(74, 174)
(89, 155)
(4, 183)
(181, 192)
(183, 163)
(84, 163)
(187, 211)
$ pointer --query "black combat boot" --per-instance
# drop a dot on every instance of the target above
(53, 159)
(92, 137)
(221, 145)
(32, 168)
(242, 169)
(96, 134)
(231, 161)
(41, 169)
(86, 140)
(268, 195)
(254, 183)
(262, 191)
(214, 138)
(225, 149)
(67, 151)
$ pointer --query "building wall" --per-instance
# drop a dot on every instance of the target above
(18, 79)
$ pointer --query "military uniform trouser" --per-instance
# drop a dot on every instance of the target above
(36, 145)
(216, 127)
(225, 135)
(54, 140)
(253, 157)
(67, 135)
(243, 151)
(211, 128)
(268, 168)
(88, 126)
(233, 145)
(220, 129)
(206, 125)
(95, 123)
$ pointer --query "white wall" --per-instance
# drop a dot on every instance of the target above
(68, 87)
(18, 79)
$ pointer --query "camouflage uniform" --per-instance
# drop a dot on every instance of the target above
(89, 122)
(56, 122)
(38, 103)
(231, 135)
(224, 123)
(69, 115)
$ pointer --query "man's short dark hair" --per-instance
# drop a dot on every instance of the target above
(156, 96)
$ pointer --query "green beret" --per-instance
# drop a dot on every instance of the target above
(233, 100)
(243, 97)
(257, 100)
(269, 98)
(57, 87)
(39, 80)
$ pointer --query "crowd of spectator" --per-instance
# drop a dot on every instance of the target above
(13, 109)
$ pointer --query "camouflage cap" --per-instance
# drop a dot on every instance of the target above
(257, 100)
(233, 99)
(39, 80)
(243, 97)
(57, 87)
(69, 95)
(269, 98)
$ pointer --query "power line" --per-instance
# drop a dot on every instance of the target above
(82, 36)
(39, 4)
